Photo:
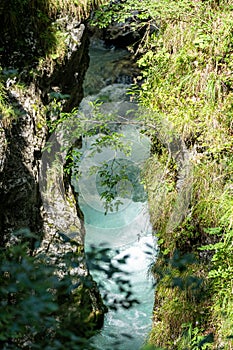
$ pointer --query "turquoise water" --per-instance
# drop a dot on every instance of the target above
(126, 230)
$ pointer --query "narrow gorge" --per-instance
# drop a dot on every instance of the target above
(38, 200)
(116, 174)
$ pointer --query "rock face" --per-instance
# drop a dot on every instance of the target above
(68, 77)
(22, 203)
(22, 141)
(21, 144)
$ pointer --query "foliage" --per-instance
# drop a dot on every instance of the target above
(192, 339)
(119, 178)
(187, 88)
(9, 108)
(30, 30)
(181, 292)
(44, 304)
(221, 275)
(32, 296)
(100, 132)
(6, 110)
(99, 259)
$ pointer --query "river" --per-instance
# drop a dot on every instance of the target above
(124, 229)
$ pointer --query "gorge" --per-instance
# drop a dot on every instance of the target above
(126, 229)
(180, 69)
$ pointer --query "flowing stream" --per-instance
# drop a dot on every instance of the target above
(125, 229)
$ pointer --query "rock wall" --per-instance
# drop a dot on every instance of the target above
(21, 149)
(23, 139)
(21, 145)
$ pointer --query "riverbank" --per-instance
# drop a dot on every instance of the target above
(186, 68)
(188, 91)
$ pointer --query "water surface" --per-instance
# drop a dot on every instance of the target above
(126, 230)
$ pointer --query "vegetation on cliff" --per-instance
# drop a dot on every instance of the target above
(33, 29)
(186, 94)
(43, 305)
